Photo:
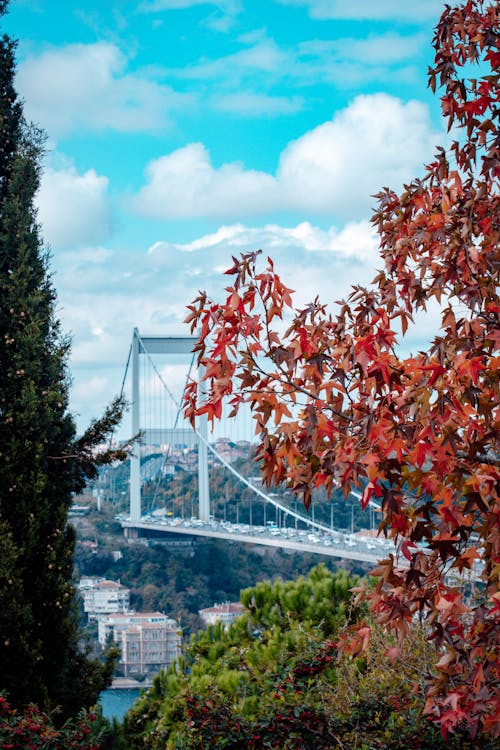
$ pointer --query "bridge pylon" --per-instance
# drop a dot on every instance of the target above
(163, 345)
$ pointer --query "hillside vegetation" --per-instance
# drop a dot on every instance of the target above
(274, 680)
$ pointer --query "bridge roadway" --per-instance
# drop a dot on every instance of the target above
(334, 544)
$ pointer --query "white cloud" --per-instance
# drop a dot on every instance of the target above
(184, 184)
(87, 87)
(93, 388)
(251, 80)
(341, 62)
(331, 170)
(294, 245)
(388, 48)
(262, 57)
(103, 295)
(377, 141)
(391, 10)
(310, 260)
(73, 208)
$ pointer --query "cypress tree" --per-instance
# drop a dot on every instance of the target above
(42, 462)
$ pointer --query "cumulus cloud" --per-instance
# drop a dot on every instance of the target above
(87, 87)
(331, 170)
(73, 209)
(378, 140)
(185, 184)
(370, 10)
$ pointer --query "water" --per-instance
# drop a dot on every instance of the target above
(116, 702)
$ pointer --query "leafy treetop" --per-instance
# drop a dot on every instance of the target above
(335, 403)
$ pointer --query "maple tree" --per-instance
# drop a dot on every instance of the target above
(335, 403)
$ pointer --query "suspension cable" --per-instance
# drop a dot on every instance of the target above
(126, 371)
(177, 416)
(246, 482)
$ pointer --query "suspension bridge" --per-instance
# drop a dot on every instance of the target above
(187, 483)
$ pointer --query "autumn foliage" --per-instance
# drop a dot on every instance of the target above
(335, 402)
(32, 728)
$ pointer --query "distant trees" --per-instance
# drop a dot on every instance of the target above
(42, 462)
(181, 584)
(336, 404)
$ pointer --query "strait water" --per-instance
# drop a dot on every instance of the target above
(116, 702)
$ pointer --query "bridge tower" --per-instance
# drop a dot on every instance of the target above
(164, 345)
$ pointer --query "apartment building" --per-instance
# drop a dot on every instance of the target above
(225, 613)
(148, 641)
(102, 597)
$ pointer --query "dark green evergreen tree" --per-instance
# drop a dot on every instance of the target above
(42, 463)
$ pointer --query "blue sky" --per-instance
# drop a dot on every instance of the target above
(181, 132)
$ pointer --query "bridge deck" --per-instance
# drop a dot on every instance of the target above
(336, 544)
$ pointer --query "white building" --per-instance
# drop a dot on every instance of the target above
(225, 613)
(149, 641)
(101, 597)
